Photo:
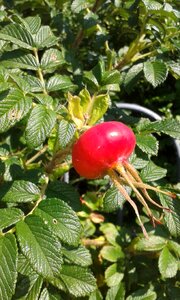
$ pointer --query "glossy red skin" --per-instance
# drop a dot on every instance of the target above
(101, 147)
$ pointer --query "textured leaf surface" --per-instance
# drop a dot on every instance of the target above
(172, 220)
(40, 123)
(33, 23)
(35, 83)
(79, 281)
(59, 82)
(80, 256)
(8, 266)
(13, 108)
(152, 172)
(168, 126)
(50, 294)
(152, 4)
(45, 38)
(40, 246)
(143, 294)
(51, 58)
(155, 72)
(78, 5)
(61, 219)
(29, 282)
(113, 199)
(19, 59)
(18, 35)
(66, 132)
(22, 191)
(9, 216)
(168, 264)
(147, 143)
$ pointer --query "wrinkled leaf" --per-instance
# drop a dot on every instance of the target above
(40, 246)
(22, 191)
(40, 123)
(8, 266)
(155, 72)
(60, 219)
(79, 281)
(9, 216)
(147, 143)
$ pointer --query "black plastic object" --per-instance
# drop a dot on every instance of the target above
(154, 116)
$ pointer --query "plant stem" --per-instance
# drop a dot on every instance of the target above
(39, 71)
(57, 159)
(39, 153)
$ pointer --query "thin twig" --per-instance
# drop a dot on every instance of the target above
(39, 153)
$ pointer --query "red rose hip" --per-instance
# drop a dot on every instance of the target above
(104, 149)
(101, 147)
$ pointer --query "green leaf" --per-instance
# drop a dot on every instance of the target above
(153, 243)
(116, 292)
(33, 23)
(50, 294)
(175, 247)
(99, 105)
(45, 38)
(60, 219)
(78, 5)
(147, 143)
(59, 82)
(168, 126)
(167, 263)
(8, 266)
(66, 131)
(19, 59)
(40, 246)
(152, 172)
(13, 108)
(110, 80)
(155, 72)
(113, 199)
(17, 35)
(79, 281)
(111, 233)
(40, 123)
(139, 161)
(132, 76)
(65, 192)
(78, 256)
(152, 4)
(35, 83)
(172, 220)
(96, 295)
(21, 83)
(22, 191)
(29, 283)
(91, 80)
(9, 216)
(143, 294)
(51, 58)
(113, 275)
(112, 253)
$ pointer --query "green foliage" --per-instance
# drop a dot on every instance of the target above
(63, 66)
